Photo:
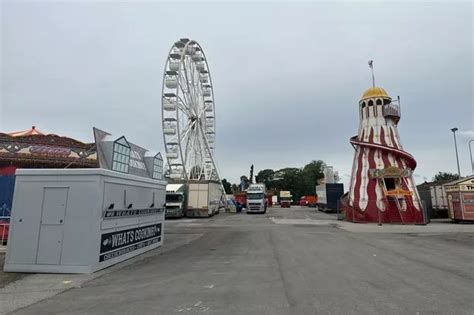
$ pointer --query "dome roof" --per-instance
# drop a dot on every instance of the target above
(374, 92)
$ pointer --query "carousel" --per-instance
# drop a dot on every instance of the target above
(35, 149)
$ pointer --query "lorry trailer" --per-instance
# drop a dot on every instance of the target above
(204, 198)
(328, 196)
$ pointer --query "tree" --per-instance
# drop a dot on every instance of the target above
(251, 174)
(244, 181)
(235, 188)
(227, 186)
(445, 176)
(266, 177)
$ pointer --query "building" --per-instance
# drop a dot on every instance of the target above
(382, 188)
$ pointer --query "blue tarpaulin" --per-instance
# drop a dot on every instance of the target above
(7, 186)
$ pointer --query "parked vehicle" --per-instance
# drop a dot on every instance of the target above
(175, 200)
(203, 198)
(285, 199)
(434, 197)
(328, 196)
(309, 201)
(274, 200)
(257, 198)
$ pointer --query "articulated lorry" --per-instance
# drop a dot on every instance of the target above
(285, 199)
(257, 198)
(175, 200)
(204, 198)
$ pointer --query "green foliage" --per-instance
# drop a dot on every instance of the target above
(251, 174)
(227, 186)
(444, 176)
(235, 188)
(266, 177)
(300, 181)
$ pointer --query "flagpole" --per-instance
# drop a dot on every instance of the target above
(373, 77)
(371, 66)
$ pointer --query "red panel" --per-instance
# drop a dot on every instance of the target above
(8, 170)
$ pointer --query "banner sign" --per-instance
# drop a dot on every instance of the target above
(119, 243)
(398, 192)
(49, 150)
(124, 213)
(390, 172)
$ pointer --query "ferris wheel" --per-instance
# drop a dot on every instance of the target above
(188, 113)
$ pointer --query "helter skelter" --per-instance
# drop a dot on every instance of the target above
(382, 188)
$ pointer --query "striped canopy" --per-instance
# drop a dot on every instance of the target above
(30, 132)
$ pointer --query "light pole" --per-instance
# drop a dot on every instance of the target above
(470, 153)
(456, 148)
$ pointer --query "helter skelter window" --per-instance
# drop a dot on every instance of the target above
(121, 155)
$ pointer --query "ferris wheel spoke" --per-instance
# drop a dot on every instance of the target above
(186, 78)
(194, 83)
(187, 99)
(188, 145)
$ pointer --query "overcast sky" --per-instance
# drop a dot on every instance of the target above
(287, 77)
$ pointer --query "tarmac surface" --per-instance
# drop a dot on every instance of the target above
(288, 261)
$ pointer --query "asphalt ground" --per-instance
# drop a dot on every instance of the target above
(288, 261)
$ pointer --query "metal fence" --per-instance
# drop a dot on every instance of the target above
(4, 228)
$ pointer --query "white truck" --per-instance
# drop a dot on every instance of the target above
(256, 198)
(175, 200)
(204, 198)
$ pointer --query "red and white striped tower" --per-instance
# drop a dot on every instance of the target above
(382, 187)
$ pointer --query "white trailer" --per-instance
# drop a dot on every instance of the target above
(203, 198)
(439, 200)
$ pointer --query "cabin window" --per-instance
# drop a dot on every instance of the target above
(390, 183)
